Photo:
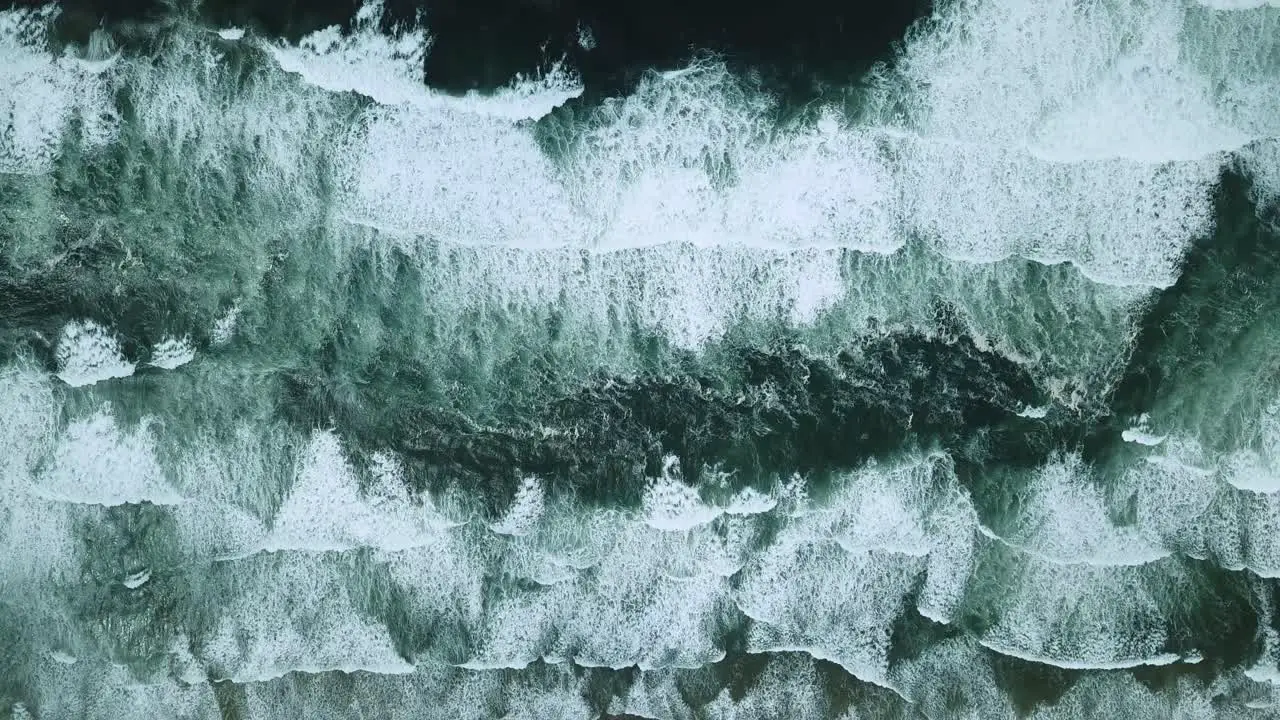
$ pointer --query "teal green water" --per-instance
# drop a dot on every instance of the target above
(683, 404)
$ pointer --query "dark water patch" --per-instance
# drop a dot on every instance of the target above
(1165, 678)
(600, 688)
(800, 49)
(17, 684)
(845, 693)
(77, 20)
(1213, 611)
(131, 626)
(768, 414)
(233, 704)
(1029, 685)
(912, 633)
(1217, 321)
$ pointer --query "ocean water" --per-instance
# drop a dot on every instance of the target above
(566, 359)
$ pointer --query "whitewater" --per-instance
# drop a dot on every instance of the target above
(947, 392)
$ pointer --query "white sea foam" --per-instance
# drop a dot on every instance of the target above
(1137, 435)
(1099, 80)
(224, 328)
(36, 539)
(40, 93)
(953, 678)
(670, 504)
(652, 597)
(1122, 695)
(525, 511)
(286, 612)
(1064, 520)
(449, 175)
(325, 509)
(1205, 506)
(28, 419)
(705, 216)
(789, 686)
(524, 98)
(837, 576)
(387, 68)
(1071, 664)
(1123, 134)
(663, 206)
(1238, 4)
(1073, 615)
(96, 462)
(1121, 221)
(586, 38)
(136, 580)
(88, 353)
(1262, 161)
(172, 353)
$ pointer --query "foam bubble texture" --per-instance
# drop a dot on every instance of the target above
(95, 462)
(284, 612)
(387, 68)
(1116, 110)
(325, 509)
(40, 94)
(313, 570)
(88, 353)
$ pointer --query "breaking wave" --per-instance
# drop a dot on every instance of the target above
(949, 392)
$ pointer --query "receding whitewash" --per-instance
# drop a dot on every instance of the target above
(453, 176)
(526, 509)
(89, 353)
(1122, 222)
